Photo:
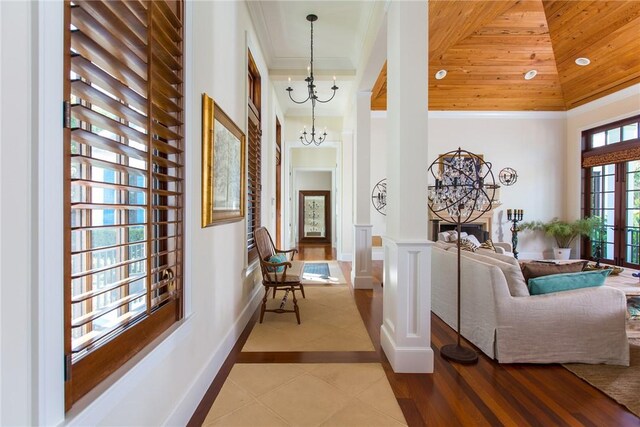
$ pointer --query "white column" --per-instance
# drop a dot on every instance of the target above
(406, 329)
(361, 272)
(345, 249)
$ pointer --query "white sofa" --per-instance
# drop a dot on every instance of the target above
(583, 325)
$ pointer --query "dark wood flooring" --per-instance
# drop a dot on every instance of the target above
(454, 395)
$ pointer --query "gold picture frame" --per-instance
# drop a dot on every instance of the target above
(477, 161)
(223, 166)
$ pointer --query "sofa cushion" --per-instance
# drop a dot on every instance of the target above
(442, 245)
(567, 281)
(293, 274)
(500, 257)
(512, 273)
(531, 270)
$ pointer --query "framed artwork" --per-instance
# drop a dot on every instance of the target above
(223, 166)
(476, 160)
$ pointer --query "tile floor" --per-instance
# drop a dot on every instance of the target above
(324, 394)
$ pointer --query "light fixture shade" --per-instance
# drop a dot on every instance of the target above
(530, 74)
(582, 61)
(441, 74)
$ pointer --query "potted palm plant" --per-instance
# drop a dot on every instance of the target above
(565, 232)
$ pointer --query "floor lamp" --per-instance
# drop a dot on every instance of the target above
(462, 189)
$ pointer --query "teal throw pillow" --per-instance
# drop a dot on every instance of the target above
(277, 259)
(567, 281)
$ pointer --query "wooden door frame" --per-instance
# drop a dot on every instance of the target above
(327, 215)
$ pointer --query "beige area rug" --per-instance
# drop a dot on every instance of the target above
(330, 321)
(335, 275)
(621, 383)
(326, 394)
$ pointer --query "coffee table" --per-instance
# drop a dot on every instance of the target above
(625, 282)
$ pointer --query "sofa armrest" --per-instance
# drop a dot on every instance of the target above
(582, 325)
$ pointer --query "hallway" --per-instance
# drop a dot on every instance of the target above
(484, 394)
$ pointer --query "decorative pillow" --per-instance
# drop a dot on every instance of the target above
(488, 244)
(277, 259)
(567, 281)
(467, 245)
(531, 270)
(453, 235)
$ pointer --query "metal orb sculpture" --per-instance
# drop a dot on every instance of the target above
(463, 190)
(379, 196)
(508, 176)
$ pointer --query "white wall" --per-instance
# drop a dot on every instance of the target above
(531, 143)
(169, 379)
(312, 180)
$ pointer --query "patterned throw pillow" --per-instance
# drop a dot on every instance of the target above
(467, 245)
(488, 244)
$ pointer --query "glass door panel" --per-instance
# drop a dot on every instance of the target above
(631, 228)
(602, 200)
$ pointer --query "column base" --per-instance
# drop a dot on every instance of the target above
(406, 360)
(405, 334)
(361, 275)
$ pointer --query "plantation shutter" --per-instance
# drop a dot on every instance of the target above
(253, 182)
(254, 155)
(124, 182)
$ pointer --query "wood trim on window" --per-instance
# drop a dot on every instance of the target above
(123, 175)
(254, 157)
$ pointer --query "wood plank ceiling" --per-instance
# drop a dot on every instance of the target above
(488, 46)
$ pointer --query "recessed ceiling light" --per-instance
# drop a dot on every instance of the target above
(441, 74)
(583, 61)
(530, 74)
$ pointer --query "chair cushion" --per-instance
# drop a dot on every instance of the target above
(277, 259)
(567, 281)
(292, 275)
(531, 270)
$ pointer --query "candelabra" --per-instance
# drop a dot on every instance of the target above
(464, 190)
(515, 216)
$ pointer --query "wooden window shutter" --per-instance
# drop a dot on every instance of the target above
(123, 182)
(254, 157)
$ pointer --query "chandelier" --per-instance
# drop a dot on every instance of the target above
(307, 138)
(464, 189)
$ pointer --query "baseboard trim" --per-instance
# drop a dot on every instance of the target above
(191, 399)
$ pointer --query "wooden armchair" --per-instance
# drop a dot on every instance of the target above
(288, 279)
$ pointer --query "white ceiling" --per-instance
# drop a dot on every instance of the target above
(338, 38)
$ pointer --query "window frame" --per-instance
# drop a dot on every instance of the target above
(616, 154)
(254, 155)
